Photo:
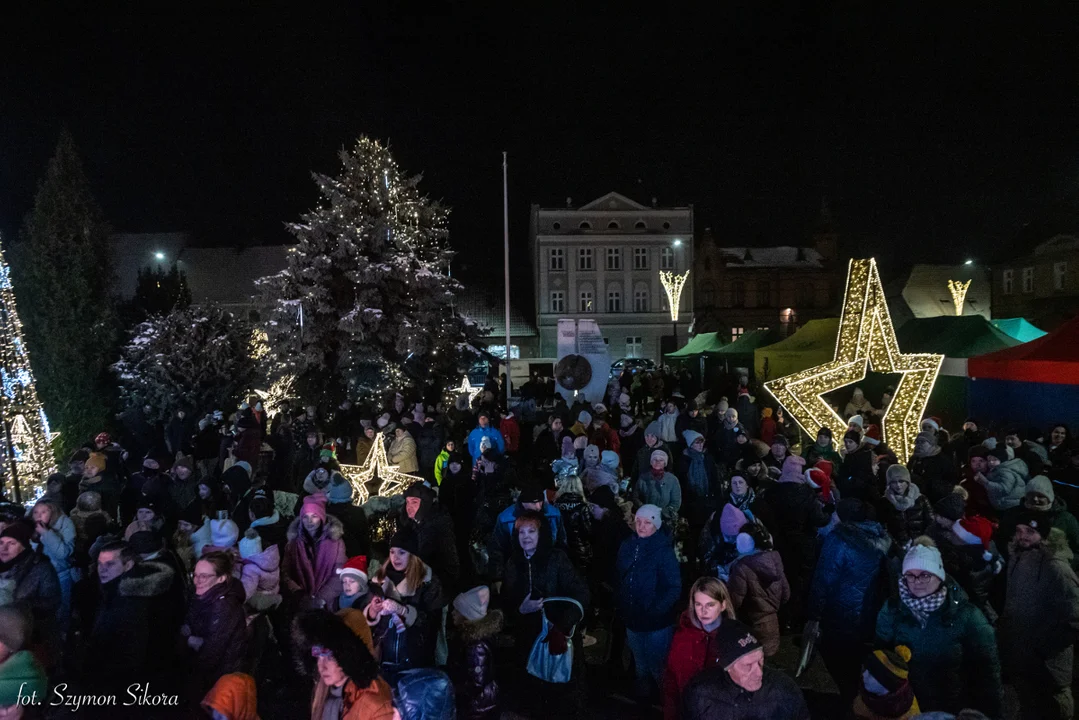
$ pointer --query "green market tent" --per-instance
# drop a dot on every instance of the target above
(1019, 329)
(953, 337)
(697, 345)
(746, 344)
(813, 344)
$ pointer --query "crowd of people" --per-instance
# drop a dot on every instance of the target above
(222, 564)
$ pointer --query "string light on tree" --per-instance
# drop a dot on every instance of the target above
(866, 339)
(378, 466)
(958, 289)
(466, 389)
(25, 437)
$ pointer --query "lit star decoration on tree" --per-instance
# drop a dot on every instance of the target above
(466, 389)
(958, 290)
(25, 434)
(377, 465)
(673, 284)
(866, 339)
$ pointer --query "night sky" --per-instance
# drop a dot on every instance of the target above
(934, 138)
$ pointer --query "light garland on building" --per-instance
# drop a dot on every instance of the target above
(377, 465)
(866, 339)
(673, 284)
(958, 290)
(26, 427)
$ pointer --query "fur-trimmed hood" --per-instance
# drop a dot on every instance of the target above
(475, 630)
(334, 529)
(148, 578)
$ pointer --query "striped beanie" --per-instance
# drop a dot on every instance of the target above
(889, 668)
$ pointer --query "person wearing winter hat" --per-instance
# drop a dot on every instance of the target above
(700, 477)
(934, 469)
(97, 477)
(977, 495)
(948, 510)
(652, 442)
(819, 477)
(406, 612)
(233, 697)
(28, 579)
(224, 535)
(822, 449)
(758, 585)
(725, 442)
(484, 429)
(435, 531)
(648, 589)
(1040, 497)
(260, 572)
(660, 488)
(778, 450)
(855, 478)
(971, 559)
(354, 588)
(903, 510)
(473, 653)
(740, 684)
(856, 424)
(1041, 611)
(954, 662)
(532, 498)
(314, 552)
(885, 692)
(842, 597)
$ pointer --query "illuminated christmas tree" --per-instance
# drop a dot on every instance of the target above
(25, 453)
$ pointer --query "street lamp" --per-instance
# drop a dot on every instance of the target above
(969, 262)
(677, 242)
(159, 255)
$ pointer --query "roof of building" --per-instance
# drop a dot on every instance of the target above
(1057, 244)
(782, 256)
(487, 309)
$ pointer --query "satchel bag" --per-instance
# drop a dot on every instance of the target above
(541, 662)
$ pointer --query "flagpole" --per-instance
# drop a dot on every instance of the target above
(506, 272)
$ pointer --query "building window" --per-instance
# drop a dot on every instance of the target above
(737, 333)
(640, 225)
(634, 347)
(612, 225)
(558, 301)
(640, 300)
(1028, 279)
(738, 293)
(708, 293)
(614, 258)
(1007, 282)
(614, 301)
(666, 259)
(764, 293)
(584, 259)
(557, 226)
(586, 305)
(556, 259)
(585, 225)
(1060, 270)
(640, 258)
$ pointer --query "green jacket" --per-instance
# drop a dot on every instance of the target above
(813, 452)
(954, 662)
(441, 462)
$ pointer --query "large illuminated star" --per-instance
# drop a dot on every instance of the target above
(377, 465)
(866, 339)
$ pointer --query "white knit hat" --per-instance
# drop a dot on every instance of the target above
(472, 604)
(920, 557)
(745, 543)
(660, 454)
(584, 417)
(250, 545)
(223, 533)
(653, 513)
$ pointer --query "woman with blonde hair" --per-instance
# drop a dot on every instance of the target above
(694, 646)
(576, 518)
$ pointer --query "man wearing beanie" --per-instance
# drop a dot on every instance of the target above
(313, 554)
(855, 478)
(954, 662)
(843, 596)
(931, 468)
(1040, 497)
(885, 692)
(21, 675)
(741, 685)
(822, 449)
(434, 529)
(532, 498)
(1040, 618)
(29, 580)
(977, 496)
(946, 512)
(484, 429)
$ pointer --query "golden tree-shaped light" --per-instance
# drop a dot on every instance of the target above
(958, 289)
(377, 465)
(673, 284)
(866, 338)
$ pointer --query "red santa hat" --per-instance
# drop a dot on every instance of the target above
(975, 530)
(872, 435)
(820, 480)
(356, 566)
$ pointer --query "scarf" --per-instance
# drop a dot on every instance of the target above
(903, 503)
(935, 450)
(742, 502)
(697, 477)
(334, 705)
(657, 475)
(925, 606)
(893, 705)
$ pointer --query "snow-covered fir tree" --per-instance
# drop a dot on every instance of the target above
(366, 302)
(196, 359)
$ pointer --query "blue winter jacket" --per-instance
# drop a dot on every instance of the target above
(649, 583)
(848, 588)
(502, 538)
(478, 434)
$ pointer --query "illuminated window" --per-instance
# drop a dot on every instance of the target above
(737, 333)
(586, 304)
(634, 347)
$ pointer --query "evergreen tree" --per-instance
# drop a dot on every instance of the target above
(196, 359)
(365, 302)
(64, 278)
(157, 292)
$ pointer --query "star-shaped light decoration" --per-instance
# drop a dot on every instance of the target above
(467, 389)
(377, 465)
(866, 339)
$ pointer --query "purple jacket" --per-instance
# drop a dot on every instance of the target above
(316, 578)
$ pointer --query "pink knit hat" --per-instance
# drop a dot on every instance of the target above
(793, 467)
(316, 505)
(732, 520)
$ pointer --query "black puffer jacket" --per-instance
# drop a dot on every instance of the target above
(934, 474)
(577, 519)
(905, 525)
(968, 565)
(218, 618)
(414, 646)
(712, 695)
(36, 589)
(438, 545)
(849, 584)
(856, 479)
(472, 665)
(797, 515)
